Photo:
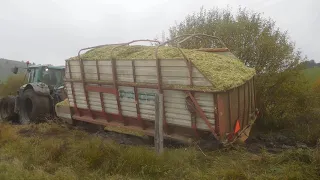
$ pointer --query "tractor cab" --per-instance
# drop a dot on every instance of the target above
(50, 75)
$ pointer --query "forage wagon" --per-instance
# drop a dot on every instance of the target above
(206, 92)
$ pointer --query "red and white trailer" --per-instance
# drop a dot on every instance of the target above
(113, 92)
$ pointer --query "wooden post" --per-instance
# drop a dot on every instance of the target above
(158, 136)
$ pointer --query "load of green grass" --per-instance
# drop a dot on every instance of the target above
(49, 151)
(63, 103)
(224, 72)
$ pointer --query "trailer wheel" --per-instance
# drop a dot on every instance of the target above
(33, 107)
(7, 108)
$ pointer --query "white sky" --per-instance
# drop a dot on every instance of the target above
(50, 31)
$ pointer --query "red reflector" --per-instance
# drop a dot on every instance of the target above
(237, 128)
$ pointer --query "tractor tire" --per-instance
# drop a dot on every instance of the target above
(33, 107)
(7, 108)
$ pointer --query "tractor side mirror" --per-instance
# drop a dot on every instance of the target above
(14, 70)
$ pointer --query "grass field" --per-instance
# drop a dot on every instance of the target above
(49, 151)
(312, 74)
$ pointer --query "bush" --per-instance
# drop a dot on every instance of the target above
(13, 83)
(284, 97)
(316, 86)
(289, 104)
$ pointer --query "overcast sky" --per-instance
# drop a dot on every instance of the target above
(50, 31)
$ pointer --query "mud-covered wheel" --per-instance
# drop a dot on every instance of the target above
(33, 107)
(7, 108)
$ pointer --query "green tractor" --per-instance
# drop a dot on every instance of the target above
(36, 99)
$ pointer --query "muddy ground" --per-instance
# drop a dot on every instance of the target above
(256, 143)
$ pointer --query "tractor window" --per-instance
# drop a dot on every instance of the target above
(59, 77)
(32, 75)
(52, 77)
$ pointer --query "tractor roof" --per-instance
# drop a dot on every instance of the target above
(49, 66)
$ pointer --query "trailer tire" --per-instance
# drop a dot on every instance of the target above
(33, 107)
(7, 108)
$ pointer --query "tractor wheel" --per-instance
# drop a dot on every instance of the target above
(7, 108)
(33, 107)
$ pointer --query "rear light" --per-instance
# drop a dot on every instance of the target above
(237, 128)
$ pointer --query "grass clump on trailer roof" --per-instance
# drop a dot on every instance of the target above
(224, 72)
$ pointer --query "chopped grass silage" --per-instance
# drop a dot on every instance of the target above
(63, 103)
(49, 151)
(224, 72)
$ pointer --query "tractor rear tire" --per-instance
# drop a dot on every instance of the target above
(7, 108)
(33, 107)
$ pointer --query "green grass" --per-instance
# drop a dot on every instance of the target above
(312, 74)
(13, 83)
(48, 151)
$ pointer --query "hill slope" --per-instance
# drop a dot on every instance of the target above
(6, 66)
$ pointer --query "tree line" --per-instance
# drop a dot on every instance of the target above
(310, 64)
